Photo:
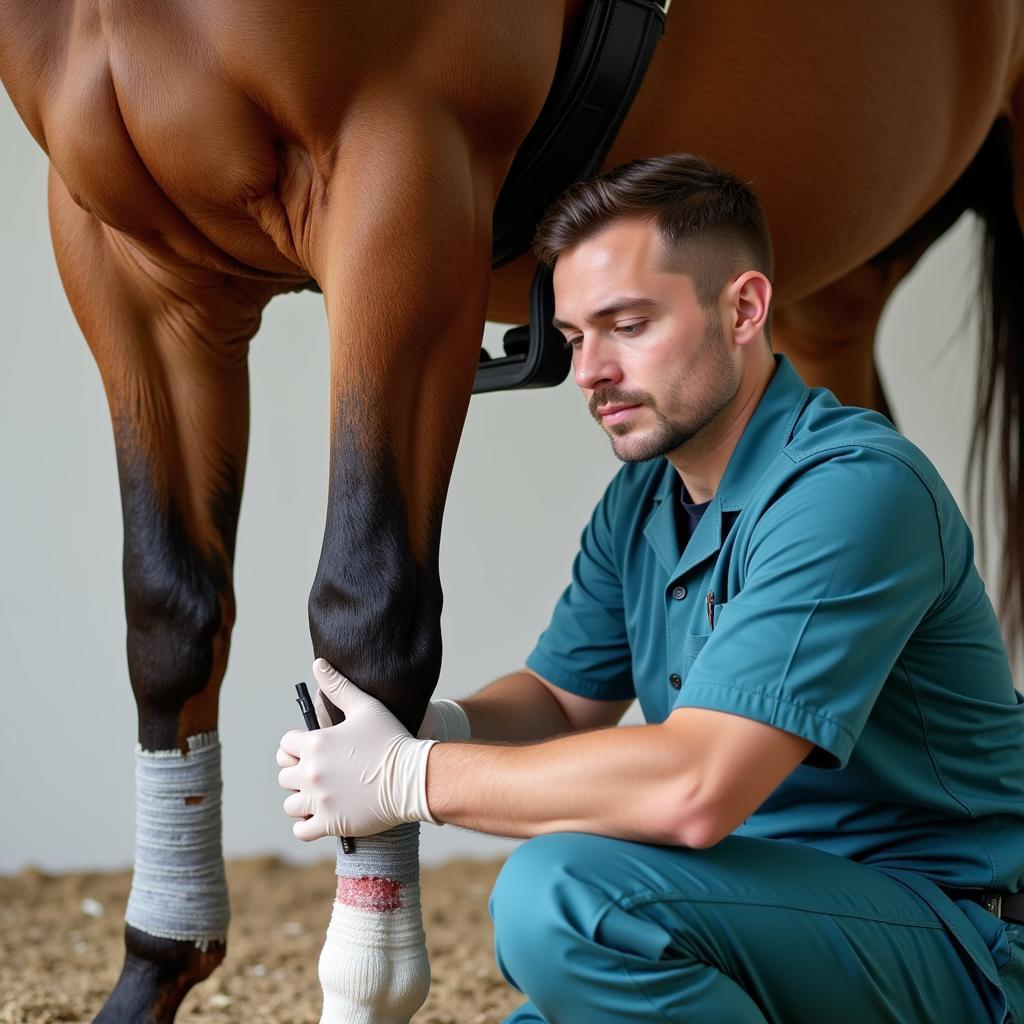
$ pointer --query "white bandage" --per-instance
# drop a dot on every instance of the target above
(373, 968)
(178, 889)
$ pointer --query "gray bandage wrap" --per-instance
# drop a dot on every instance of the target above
(178, 889)
(392, 854)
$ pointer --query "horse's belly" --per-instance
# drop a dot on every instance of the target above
(849, 119)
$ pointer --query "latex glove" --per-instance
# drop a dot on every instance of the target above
(326, 714)
(444, 720)
(361, 777)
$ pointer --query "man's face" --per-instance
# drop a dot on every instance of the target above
(654, 367)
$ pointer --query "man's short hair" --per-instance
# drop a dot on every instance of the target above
(711, 222)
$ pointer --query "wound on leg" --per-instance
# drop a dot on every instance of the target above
(369, 893)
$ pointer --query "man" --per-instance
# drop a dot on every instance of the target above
(831, 781)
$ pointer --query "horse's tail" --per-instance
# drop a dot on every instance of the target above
(999, 413)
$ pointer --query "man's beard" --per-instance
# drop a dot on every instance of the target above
(668, 435)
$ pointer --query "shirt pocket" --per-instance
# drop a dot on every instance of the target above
(694, 642)
(692, 646)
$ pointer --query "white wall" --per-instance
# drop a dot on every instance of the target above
(529, 470)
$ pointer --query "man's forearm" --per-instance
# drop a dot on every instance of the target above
(629, 782)
(517, 708)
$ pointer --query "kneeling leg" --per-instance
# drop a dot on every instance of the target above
(747, 931)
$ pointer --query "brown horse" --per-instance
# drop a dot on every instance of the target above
(207, 156)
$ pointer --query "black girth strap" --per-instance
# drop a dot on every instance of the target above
(588, 100)
(586, 105)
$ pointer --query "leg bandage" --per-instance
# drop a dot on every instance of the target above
(374, 967)
(178, 888)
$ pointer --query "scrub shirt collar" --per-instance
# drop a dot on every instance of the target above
(767, 432)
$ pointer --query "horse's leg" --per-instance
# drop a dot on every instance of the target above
(402, 255)
(171, 348)
(830, 334)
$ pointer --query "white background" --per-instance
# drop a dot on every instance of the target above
(529, 470)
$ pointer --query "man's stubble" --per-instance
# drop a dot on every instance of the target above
(675, 429)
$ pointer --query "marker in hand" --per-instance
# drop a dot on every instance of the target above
(309, 717)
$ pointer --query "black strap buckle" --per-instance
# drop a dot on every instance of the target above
(993, 903)
(535, 353)
(1008, 906)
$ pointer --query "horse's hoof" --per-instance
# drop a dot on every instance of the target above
(156, 976)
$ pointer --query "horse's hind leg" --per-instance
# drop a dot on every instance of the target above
(830, 334)
(171, 348)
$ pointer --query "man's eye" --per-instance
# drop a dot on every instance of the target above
(572, 342)
(631, 330)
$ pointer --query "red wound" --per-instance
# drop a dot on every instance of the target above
(368, 893)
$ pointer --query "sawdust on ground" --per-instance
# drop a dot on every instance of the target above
(61, 946)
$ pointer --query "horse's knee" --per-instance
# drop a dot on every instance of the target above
(380, 636)
(173, 620)
(179, 608)
(374, 609)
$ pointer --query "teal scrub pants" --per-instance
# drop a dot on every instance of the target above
(603, 931)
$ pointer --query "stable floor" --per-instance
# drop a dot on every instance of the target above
(61, 946)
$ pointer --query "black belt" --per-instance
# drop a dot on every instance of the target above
(1007, 905)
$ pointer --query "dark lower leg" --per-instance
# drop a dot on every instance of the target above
(180, 611)
(177, 913)
(156, 976)
(374, 608)
(171, 342)
(374, 613)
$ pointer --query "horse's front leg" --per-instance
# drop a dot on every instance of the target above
(403, 259)
(171, 345)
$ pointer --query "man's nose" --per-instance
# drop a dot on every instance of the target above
(594, 365)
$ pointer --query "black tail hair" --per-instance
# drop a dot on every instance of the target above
(1000, 388)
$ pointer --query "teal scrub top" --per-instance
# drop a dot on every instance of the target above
(830, 591)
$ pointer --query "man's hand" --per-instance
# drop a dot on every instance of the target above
(443, 720)
(361, 777)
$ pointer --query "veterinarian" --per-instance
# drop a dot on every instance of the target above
(823, 817)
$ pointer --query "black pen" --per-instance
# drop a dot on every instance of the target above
(309, 717)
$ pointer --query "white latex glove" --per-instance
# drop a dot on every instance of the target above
(444, 720)
(361, 777)
(324, 715)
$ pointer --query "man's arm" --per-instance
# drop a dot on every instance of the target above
(690, 780)
(523, 706)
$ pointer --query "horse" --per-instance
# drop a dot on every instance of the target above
(206, 157)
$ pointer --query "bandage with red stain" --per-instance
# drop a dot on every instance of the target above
(371, 893)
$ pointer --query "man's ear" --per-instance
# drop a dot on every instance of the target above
(750, 297)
